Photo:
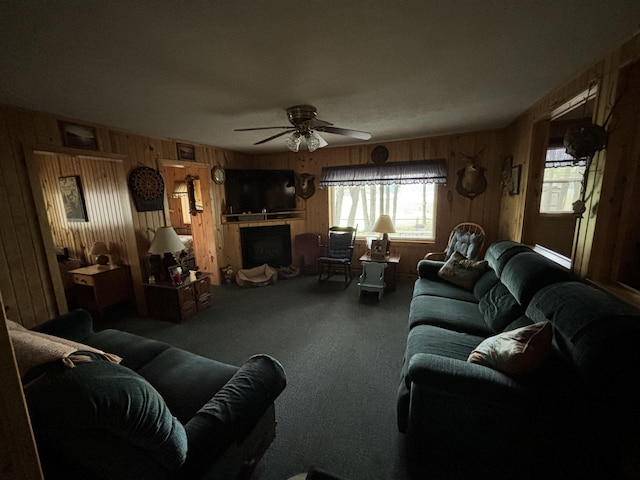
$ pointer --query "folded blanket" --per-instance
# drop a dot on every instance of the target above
(35, 348)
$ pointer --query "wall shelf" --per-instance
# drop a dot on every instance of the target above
(263, 217)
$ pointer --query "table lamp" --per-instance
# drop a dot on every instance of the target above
(99, 253)
(166, 242)
(384, 225)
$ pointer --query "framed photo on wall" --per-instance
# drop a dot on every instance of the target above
(78, 136)
(186, 152)
(73, 199)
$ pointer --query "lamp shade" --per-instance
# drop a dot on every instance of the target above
(384, 225)
(99, 248)
(166, 241)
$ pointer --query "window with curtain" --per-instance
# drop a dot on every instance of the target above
(406, 191)
(562, 181)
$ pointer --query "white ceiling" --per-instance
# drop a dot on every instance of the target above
(196, 70)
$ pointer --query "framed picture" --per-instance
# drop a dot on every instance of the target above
(515, 180)
(175, 273)
(378, 248)
(73, 199)
(78, 136)
(186, 152)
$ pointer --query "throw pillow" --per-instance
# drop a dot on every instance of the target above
(461, 271)
(517, 352)
(499, 308)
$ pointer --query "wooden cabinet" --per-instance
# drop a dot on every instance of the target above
(100, 286)
(176, 303)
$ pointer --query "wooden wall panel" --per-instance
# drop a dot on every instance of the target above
(452, 208)
(606, 217)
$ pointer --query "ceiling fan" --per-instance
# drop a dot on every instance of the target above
(304, 124)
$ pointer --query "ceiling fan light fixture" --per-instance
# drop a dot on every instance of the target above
(312, 141)
(293, 142)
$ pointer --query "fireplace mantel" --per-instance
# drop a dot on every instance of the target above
(263, 217)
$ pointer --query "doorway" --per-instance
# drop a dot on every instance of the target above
(190, 211)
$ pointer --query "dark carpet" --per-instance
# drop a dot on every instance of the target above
(342, 355)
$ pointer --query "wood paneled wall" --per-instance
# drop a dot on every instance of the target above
(452, 208)
(98, 181)
(613, 176)
(29, 285)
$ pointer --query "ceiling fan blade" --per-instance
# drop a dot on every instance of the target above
(316, 122)
(345, 131)
(259, 128)
(272, 137)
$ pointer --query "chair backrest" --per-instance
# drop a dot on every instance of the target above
(466, 238)
(373, 272)
(340, 242)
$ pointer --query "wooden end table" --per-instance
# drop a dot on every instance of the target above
(100, 286)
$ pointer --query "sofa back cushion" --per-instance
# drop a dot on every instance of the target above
(499, 308)
(499, 253)
(103, 399)
(526, 273)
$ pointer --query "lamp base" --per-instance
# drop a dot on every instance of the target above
(385, 237)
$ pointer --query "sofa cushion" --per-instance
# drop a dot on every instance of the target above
(448, 313)
(499, 308)
(438, 341)
(517, 352)
(440, 288)
(528, 272)
(102, 396)
(135, 351)
(499, 253)
(462, 271)
(172, 373)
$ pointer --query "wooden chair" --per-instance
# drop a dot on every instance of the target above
(466, 238)
(372, 278)
(339, 253)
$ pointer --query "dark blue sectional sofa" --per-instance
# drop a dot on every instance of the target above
(576, 416)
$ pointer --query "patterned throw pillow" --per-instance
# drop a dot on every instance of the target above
(461, 271)
(517, 352)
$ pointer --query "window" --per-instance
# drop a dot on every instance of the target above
(406, 191)
(561, 182)
(411, 207)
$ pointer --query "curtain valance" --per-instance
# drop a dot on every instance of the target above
(557, 157)
(419, 171)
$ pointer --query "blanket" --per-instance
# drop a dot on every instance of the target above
(35, 348)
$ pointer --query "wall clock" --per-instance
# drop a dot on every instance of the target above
(217, 175)
(147, 188)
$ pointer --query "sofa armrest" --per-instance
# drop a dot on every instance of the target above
(75, 325)
(233, 412)
(460, 378)
(429, 269)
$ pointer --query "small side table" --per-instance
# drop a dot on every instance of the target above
(391, 272)
(176, 303)
(100, 286)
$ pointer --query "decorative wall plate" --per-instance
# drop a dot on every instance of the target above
(147, 188)
(379, 155)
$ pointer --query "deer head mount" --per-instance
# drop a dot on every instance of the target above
(471, 179)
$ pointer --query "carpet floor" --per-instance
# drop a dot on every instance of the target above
(342, 354)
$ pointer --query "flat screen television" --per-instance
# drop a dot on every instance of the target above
(249, 191)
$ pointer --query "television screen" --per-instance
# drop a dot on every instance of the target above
(249, 191)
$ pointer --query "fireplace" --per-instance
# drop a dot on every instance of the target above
(270, 244)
